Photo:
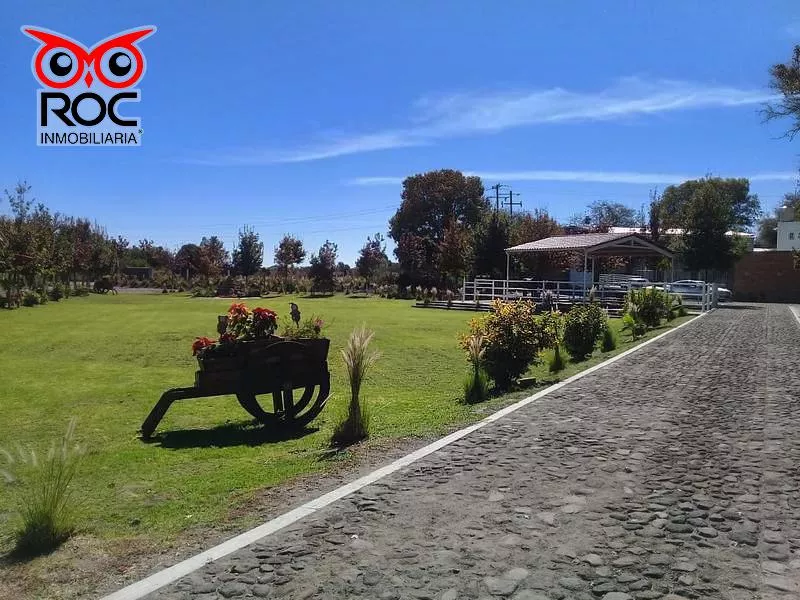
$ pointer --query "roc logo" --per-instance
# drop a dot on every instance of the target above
(84, 89)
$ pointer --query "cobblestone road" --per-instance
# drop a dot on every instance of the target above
(674, 473)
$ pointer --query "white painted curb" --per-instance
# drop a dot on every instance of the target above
(795, 311)
(171, 574)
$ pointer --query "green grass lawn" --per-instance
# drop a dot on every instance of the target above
(107, 359)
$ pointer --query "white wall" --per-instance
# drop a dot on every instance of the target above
(788, 235)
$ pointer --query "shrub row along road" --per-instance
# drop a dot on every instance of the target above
(673, 473)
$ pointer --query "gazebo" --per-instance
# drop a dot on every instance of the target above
(593, 246)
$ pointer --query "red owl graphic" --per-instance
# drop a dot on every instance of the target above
(61, 61)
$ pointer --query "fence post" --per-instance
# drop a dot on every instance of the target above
(714, 294)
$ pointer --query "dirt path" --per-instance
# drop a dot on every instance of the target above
(671, 474)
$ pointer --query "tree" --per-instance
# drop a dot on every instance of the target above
(530, 228)
(288, 253)
(455, 253)
(785, 80)
(214, 256)
(491, 238)
(323, 266)
(431, 202)
(249, 253)
(705, 243)
(371, 256)
(602, 215)
(188, 260)
(741, 207)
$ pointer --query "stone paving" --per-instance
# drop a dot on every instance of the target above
(674, 473)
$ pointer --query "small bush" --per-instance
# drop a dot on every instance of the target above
(45, 502)
(652, 305)
(357, 360)
(609, 341)
(557, 362)
(30, 298)
(583, 327)
(514, 338)
(633, 324)
(44, 298)
(56, 292)
(81, 290)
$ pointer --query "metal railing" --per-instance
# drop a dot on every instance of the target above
(611, 294)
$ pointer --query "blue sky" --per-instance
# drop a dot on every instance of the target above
(304, 117)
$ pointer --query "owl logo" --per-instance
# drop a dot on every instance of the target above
(61, 61)
(83, 88)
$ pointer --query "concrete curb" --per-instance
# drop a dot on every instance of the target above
(157, 580)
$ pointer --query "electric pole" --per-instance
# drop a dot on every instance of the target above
(497, 198)
(511, 204)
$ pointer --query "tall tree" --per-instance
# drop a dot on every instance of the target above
(371, 256)
(288, 253)
(705, 243)
(741, 208)
(455, 252)
(323, 266)
(785, 80)
(215, 257)
(430, 203)
(602, 214)
(249, 253)
(530, 228)
(189, 260)
(491, 238)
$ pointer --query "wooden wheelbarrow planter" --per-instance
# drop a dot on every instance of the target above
(274, 366)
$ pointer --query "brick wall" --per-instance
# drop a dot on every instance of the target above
(767, 277)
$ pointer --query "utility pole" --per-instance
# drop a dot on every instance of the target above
(511, 204)
(497, 198)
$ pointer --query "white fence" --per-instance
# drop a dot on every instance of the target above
(486, 290)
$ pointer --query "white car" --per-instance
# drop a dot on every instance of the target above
(695, 287)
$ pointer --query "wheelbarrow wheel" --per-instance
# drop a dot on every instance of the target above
(287, 411)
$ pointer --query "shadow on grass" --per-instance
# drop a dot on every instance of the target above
(224, 436)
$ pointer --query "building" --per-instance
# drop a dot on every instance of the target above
(788, 229)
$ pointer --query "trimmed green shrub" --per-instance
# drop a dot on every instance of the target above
(514, 338)
(583, 326)
(56, 292)
(30, 298)
(609, 341)
(652, 305)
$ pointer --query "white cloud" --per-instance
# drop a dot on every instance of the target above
(477, 113)
(619, 177)
(793, 29)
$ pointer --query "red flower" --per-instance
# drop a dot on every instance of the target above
(264, 313)
(200, 343)
(227, 338)
(238, 310)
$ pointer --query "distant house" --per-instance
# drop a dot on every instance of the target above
(675, 232)
(140, 273)
(788, 229)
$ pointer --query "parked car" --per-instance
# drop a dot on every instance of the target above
(695, 287)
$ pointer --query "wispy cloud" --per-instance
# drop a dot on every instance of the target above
(479, 113)
(793, 29)
(619, 177)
